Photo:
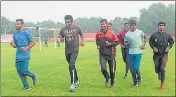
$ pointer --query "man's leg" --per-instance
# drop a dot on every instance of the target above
(132, 69)
(68, 58)
(104, 69)
(71, 59)
(72, 62)
(137, 66)
(58, 44)
(125, 59)
(123, 56)
(22, 76)
(164, 60)
(45, 44)
(112, 69)
(157, 62)
(115, 49)
(25, 70)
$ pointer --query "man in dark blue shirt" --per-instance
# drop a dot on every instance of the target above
(22, 40)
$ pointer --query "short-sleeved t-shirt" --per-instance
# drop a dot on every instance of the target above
(71, 38)
(22, 39)
(135, 39)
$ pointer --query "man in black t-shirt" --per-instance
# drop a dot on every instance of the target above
(70, 34)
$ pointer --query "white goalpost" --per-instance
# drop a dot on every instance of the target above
(39, 30)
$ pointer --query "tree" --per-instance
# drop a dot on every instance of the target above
(150, 17)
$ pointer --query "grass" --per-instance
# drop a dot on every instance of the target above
(54, 79)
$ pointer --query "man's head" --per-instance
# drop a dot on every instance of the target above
(68, 20)
(19, 24)
(126, 26)
(161, 26)
(132, 24)
(104, 25)
(110, 26)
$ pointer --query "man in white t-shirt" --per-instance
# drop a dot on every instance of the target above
(136, 40)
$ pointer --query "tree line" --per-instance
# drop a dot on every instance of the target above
(149, 17)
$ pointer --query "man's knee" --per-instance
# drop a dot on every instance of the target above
(103, 70)
(157, 66)
(163, 74)
(157, 70)
(72, 62)
(73, 58)
(71, 67)
(103, 66)
(162, 70)
(22, 73)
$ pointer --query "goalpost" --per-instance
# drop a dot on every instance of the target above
(39, 30)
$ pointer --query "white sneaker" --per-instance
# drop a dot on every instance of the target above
(77, 84)
(72, 88)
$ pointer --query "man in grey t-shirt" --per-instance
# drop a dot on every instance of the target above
(70, 34)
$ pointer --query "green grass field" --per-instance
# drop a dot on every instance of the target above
(54, 79)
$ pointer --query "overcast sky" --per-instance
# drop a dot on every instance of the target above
(37, 11)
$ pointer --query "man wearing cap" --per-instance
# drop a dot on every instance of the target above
(136, 40)
(161, 42)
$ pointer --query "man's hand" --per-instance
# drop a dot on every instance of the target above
(24, 48)
(81, 44)
(12, 44)
(108, 43)
(167, 49)
(62, 39)
(122, 46)
(143, 47)
(155, 49)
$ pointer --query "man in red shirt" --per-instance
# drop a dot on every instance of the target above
(124, 48)
(106, 42)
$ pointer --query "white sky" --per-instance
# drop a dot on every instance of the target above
(37, 11)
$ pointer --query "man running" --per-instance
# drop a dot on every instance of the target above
(46, 41)
(70, 35)
(58, 41)
(124, 48)
(22, 40)
(136, 40)
(161, 42)
(106, 42)
(111, 29)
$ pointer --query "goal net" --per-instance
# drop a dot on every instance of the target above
(39, 35)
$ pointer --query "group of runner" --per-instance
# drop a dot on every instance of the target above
(131, 40)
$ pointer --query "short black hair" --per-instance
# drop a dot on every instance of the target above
(125, 23)
(70, 17)
(21, 20)
(110, 24)
(161, 22)
(132, 21)
(104, 20)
